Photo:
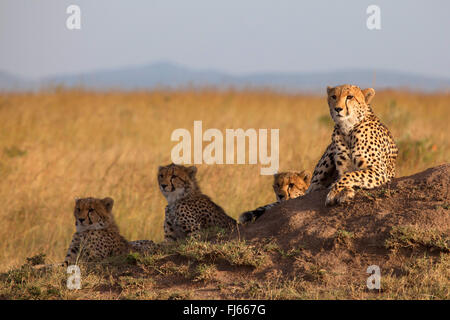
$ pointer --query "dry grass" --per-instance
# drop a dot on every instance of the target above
(179, 272)
(58, 145)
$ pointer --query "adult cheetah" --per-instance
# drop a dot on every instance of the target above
(362, 152)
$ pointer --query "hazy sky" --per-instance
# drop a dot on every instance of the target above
(236, 36)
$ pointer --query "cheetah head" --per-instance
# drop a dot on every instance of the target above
(290, 185)
(93, 213)
(176, 181)
(348, 104)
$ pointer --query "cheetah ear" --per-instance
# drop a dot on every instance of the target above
(192, 171)
(329, 90)
(306, 175)
(368, 93)
(108, 203)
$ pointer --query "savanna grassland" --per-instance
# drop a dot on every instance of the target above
(61, 144)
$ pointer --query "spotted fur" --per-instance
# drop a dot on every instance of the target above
(97, 235)
(362, 152)
(286, 185)
(188, 211)
(290, 184)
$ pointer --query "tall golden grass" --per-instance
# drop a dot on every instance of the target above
(61, 144)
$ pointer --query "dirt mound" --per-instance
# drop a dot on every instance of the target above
(409, 212)
(418, 200)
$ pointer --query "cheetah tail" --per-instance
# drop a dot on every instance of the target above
(251, 216)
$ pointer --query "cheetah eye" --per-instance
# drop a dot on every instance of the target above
(349, 97)
(291, 185)
(161, 176)
(333, 96)
(90, 210)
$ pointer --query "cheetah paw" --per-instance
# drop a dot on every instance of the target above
(338, 197)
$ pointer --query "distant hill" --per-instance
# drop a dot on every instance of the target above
(9, 82)
(167, 75)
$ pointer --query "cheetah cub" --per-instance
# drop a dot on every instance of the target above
(362, 152)
(97, 234)
(290, 184)
(286, 185)
(188, 210)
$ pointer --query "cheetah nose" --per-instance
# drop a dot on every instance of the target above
(163, 186)
(81, 220)
(338, 109)
(281, 196)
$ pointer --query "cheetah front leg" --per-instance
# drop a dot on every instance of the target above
(169, 233)
(344, 189)
(324, 171)
(73, 251)
(342, 156)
